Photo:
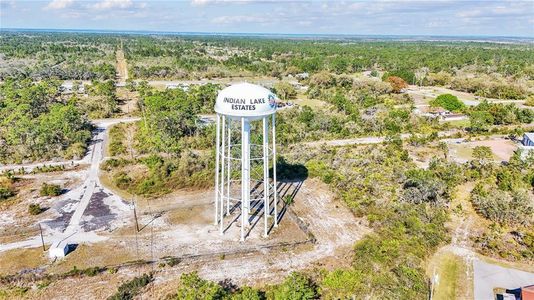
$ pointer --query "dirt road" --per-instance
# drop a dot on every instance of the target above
(122, 66)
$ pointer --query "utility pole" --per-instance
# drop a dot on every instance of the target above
(135, 216)
(42, 238)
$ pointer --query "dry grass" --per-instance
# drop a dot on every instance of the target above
(93, 255)
(107, 182)
(452, 280)
(14, 261)
(302, 100)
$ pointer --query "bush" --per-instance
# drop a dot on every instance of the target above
(247, 293)
(75, 151)
(397, 83)
(116, 137)
(296, 286)
(50, 190)
(130, 289)
(34, 209)
(6, 188)
(421, 186)
(194, 287)
(92, 271)
(448, 102)
(503, 207)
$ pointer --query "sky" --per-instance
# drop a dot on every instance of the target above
(438, 17)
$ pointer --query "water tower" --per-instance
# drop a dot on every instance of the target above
(245, 172)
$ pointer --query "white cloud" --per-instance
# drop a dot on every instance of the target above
(107, 4)
(59, 4)
(238, 19)
(205, 2)
(199, 2)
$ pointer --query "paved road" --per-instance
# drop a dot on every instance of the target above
(490, 276)
(81, 195)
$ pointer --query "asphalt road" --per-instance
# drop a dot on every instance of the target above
(489, 276)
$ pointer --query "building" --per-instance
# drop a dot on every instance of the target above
(183, 86)
(438, 113)
(302, 76)
(527, 144)
(528, 139)
(68, 87)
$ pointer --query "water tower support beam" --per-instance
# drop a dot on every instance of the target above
(229, 167)
(275, 183)
(266, 195)
(223, 150)
(217, 171)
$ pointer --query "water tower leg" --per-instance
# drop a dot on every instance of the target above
(217, 171)
(275, 183)
(229, 166)
(266, 196)
(223, 149)
(245, 181)
(244, 177)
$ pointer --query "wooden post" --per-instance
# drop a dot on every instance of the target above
(135, 216)
(42, 238)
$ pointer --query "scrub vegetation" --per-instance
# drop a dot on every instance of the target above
(363, 94)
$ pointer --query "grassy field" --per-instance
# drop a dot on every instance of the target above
(302, 100)
(451, 272)
(13, 261)
(459, 123)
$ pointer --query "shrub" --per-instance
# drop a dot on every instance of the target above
(6, 188)
(247, 293)
(75, 151)
(50, 190)
(6, 192)
(285, 90)
(130, 289)
(34, 209)
(122, 180)
(194, 287)
(296, 286)
(397, 83)
(421, 186)
(342, 284)
(92, 271)
(448, 102)
(503, 207)
(116, 137)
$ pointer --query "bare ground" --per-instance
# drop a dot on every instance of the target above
(316, 231)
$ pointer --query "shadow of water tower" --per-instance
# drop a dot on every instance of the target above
(245, 172)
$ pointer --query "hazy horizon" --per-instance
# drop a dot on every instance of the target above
(497, 18)
(171, 32)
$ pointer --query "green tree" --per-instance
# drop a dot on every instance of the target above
(397, 83)
(448, 102)
(480, 120)
(483, 154)
(285, 90)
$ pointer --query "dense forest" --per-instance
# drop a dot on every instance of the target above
(57, 56)
(35, 123)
